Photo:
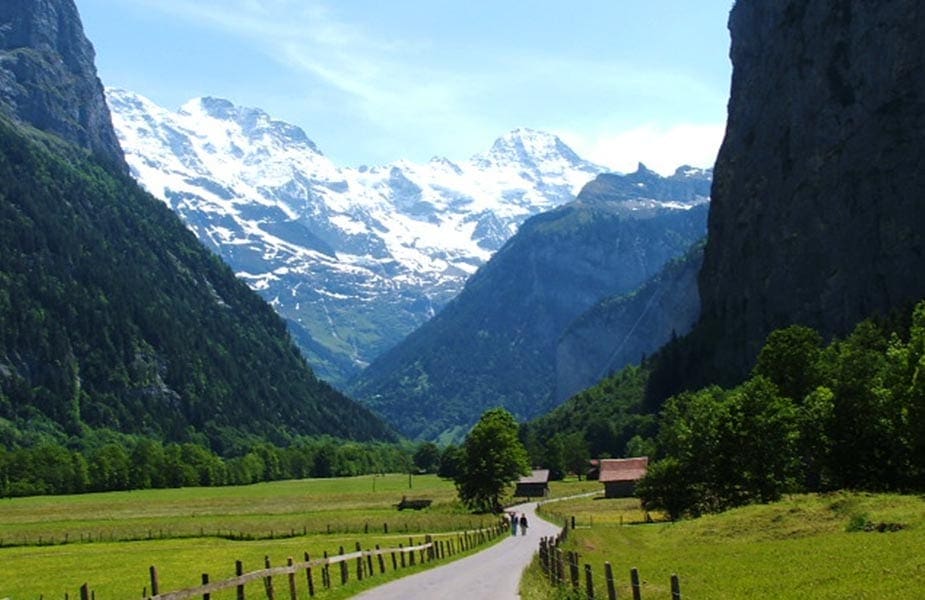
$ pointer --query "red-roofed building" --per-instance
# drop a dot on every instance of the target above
(619, 475)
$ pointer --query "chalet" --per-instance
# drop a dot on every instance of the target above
(619, 475)
(534, 485)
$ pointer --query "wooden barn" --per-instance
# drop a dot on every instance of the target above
(619, 475)
(534, 485)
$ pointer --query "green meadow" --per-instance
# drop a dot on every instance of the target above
(113, 538)
(840, 545)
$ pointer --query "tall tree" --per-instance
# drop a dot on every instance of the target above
(493, 457)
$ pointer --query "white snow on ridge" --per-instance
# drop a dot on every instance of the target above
(331, 247)
(214, 158)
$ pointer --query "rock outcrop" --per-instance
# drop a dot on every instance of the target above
(48, 78)
(818, 200)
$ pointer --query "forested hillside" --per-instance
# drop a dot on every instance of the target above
(112, 315)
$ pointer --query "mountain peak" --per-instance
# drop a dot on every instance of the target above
(531, 148)
(254, 122)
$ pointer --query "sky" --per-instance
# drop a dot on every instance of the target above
(375, 81)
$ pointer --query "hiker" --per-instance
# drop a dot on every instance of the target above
(513, 517)
(523, 524)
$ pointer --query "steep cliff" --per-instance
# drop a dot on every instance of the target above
(48, 77)
(818, 200)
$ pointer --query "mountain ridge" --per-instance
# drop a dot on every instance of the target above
(354, 257)
(495, 343)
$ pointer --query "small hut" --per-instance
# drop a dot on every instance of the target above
(534, 485)
(619, 475)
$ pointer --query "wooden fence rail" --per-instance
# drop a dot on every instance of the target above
(562, 569)
(410, 555)
(269, 573)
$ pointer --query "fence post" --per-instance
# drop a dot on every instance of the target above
(634, 581)
(394, 561)
(675, 587)
(359, 563)
(574, 574)
(239, 570)
(411, 560)
(85, 592)
(608, 578)
(589, 582)
(344, 570)
(155, 588)
(268, 580)
(205, 581)
(560, 566)
(326, 572)
(381, 560)
(555, 554)
(292, 591)
(401, 554)
(308, 576)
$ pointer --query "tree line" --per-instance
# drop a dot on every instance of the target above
(849, 414)
(131, 463)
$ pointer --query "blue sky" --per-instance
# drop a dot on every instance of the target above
(621, 81)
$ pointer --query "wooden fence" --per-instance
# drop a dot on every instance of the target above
(563, 569)
(318, 574)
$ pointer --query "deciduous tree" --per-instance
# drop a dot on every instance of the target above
(493, 457)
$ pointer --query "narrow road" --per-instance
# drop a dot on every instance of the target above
(492, 574)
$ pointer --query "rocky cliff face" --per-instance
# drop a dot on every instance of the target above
(48, 78)
(818, 201)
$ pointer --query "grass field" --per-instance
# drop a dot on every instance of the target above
(807, 546)
(205, 530)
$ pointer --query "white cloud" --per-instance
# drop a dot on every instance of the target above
(661, 148)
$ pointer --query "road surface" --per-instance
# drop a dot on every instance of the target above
(492, 574)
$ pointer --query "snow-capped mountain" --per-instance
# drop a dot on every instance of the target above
(354, 259)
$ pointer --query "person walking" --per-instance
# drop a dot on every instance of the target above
(523, 524)
(514, 521)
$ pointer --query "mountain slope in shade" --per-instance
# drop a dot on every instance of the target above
(354, 259)
(495, 344)
(113, 315)
(621, 330)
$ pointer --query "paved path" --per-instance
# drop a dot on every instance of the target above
(492, 574)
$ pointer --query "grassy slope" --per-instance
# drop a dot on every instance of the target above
(797, 548)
